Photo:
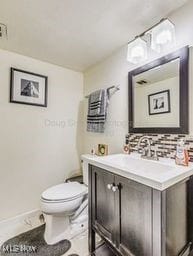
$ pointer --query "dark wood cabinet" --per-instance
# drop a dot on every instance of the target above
(134, 203)
(103, 250)
(103, 203)
(137, 220)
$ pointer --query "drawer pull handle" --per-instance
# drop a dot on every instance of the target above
(110, 186)
(115, 188)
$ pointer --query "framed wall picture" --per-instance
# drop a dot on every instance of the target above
(159, 102)
(28, 88)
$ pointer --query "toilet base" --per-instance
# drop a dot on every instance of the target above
(59, 228)
(56, 229)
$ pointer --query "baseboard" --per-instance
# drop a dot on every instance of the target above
(19, 224)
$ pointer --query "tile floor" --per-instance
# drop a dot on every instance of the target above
(79, 245)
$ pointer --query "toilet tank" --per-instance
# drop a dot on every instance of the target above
(85, 171)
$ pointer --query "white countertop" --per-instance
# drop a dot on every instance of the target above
(159, 175)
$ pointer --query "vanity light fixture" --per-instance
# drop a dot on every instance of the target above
(137, 51)
(162, 37)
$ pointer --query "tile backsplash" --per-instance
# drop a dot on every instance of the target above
(165, 144)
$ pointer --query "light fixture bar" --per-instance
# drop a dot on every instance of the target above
(162, 37)
(148, 30)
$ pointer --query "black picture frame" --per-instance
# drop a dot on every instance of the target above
(167, 92)
(183, 55)
(13, 98)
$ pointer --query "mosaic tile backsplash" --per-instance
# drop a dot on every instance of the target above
(165, 144)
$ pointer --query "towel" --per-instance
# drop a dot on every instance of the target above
(95, 103)
(97, 111)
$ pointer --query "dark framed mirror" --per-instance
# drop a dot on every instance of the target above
(158, 95)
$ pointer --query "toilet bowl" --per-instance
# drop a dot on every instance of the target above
(64, 205)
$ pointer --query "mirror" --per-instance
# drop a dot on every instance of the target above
(158, 95)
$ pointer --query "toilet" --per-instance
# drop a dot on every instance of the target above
(65, 209)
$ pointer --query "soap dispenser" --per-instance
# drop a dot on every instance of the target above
(182, 157)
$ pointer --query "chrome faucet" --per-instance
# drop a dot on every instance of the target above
(147, 152)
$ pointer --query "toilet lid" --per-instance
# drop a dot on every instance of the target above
(64, 191)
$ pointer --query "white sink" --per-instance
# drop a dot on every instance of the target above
(157, 174)
(134, 162)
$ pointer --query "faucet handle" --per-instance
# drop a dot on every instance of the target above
(138, 148)
(155, 155)
(141, 150)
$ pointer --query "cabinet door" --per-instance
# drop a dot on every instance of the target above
(135, 218)
(103, 202)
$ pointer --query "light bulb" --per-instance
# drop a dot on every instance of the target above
(163, 36)
(137, 51)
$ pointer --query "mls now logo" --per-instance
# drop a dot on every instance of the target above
(19, 249)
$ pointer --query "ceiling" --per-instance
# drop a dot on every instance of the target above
(77, 33)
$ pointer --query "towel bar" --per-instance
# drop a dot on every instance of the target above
(116, 87)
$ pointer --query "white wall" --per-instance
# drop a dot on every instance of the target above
(39, 147)
(114, 70)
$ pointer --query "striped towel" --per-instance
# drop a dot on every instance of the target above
(97, 111)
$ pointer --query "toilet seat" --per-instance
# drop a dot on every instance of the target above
(64, 192)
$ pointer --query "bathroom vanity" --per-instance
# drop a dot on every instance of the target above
(140, 207)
